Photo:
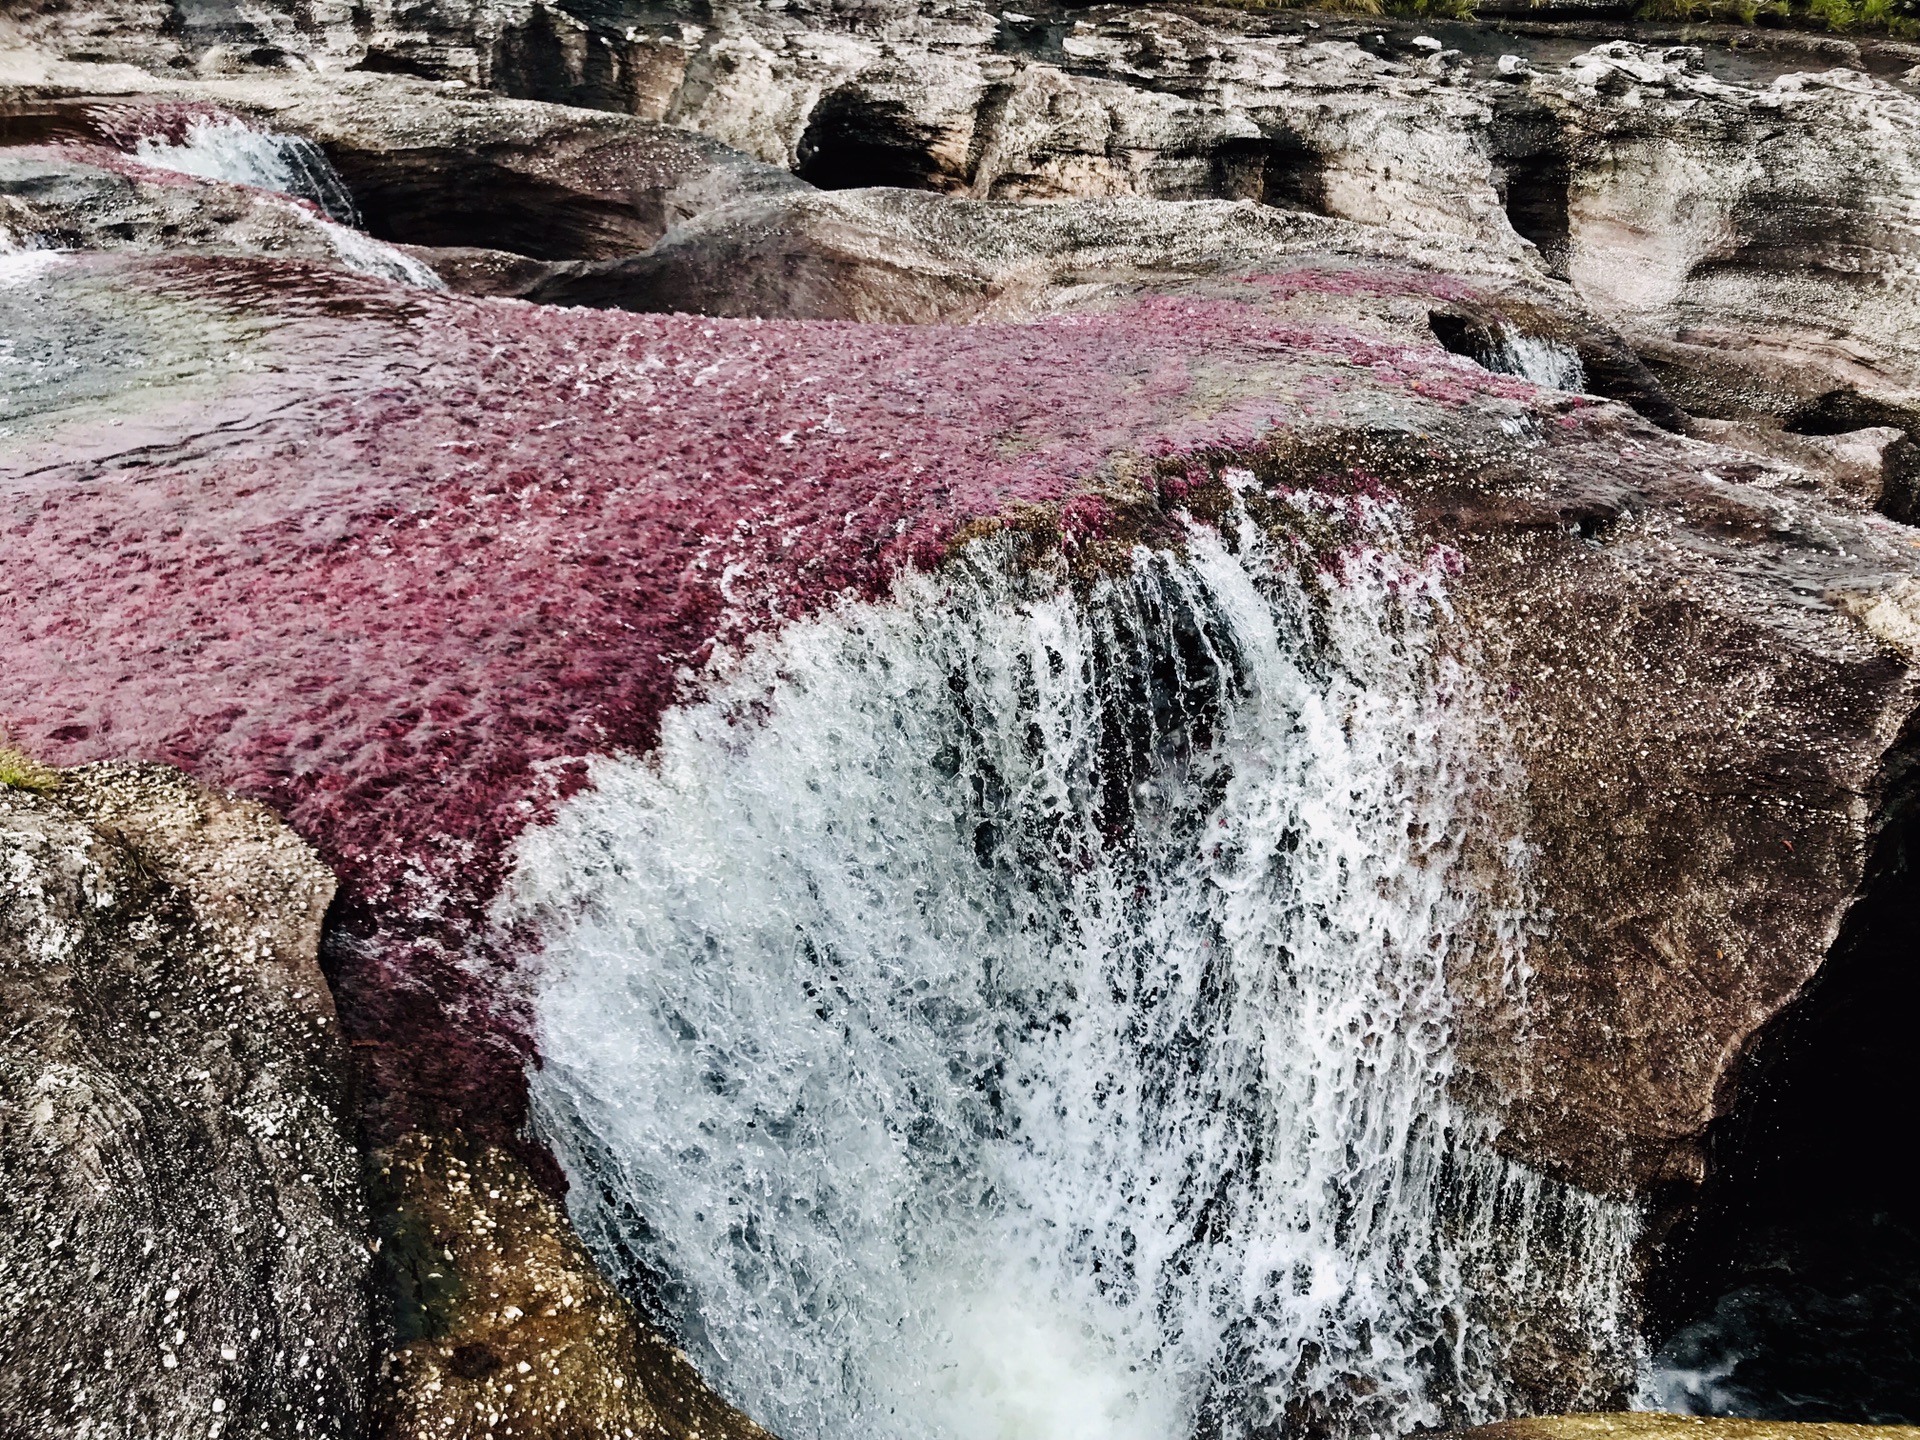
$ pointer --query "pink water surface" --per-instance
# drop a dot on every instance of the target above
(400, 577)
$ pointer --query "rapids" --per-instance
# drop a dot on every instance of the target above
(225, 148)
(1022, 1009)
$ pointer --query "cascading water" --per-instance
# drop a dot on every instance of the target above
(1022, 1011)
(1538, 358)
(227, 149)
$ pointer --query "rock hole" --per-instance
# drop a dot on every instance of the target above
(386, 62)
(855, 139)
(1462, 335)
(1843, 412)
(1535, 179)
(1537, 207)
(474, 1361)
(563, 60)
(1278, 170)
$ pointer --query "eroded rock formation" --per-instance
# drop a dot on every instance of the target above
(184, 1247)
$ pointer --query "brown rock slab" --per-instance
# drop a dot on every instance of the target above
(506, 1327)
(1655, 1426)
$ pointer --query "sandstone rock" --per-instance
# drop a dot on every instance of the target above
(911, 256)
(433, 552)
(442, 38)
(1709, 221)
(1710, 755)
(1712, 222)
(1653, 1426)
(1876, 466)
(1757, 259)
(505, 1326)
(475, 270)
(432, 166)
(78, 196)
(1137, 102)
(184, 1240)
(429, 166)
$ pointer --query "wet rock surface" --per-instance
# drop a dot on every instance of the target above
(504, 1324)
(1729, 606)
(184, 1246)
(1673, 1427)
(92, 197)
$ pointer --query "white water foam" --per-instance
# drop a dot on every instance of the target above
(1544, 361)
(23, 264)
(1007, 1013)
(368, 256)
(227, 149)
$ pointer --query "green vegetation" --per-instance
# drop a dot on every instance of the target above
(20, 771)
(1893, 17)
(1335, 7)
(1433, 9)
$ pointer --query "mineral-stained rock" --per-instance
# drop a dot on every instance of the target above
(80, 196)
(183, 1245)
(429, 166)
(397, 561)
(425, 165)
(1654, 1426)
(915, 257)
(1877, 466)
(1713, 732)
(506, 1328)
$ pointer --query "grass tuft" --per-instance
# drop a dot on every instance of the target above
(19, 771)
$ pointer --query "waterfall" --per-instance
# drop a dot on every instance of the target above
(1020, 1009)
(229, 150)
(1542, 360)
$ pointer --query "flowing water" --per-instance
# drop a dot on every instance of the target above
(1539, 358)
(1021, 1011)
(228, 150)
